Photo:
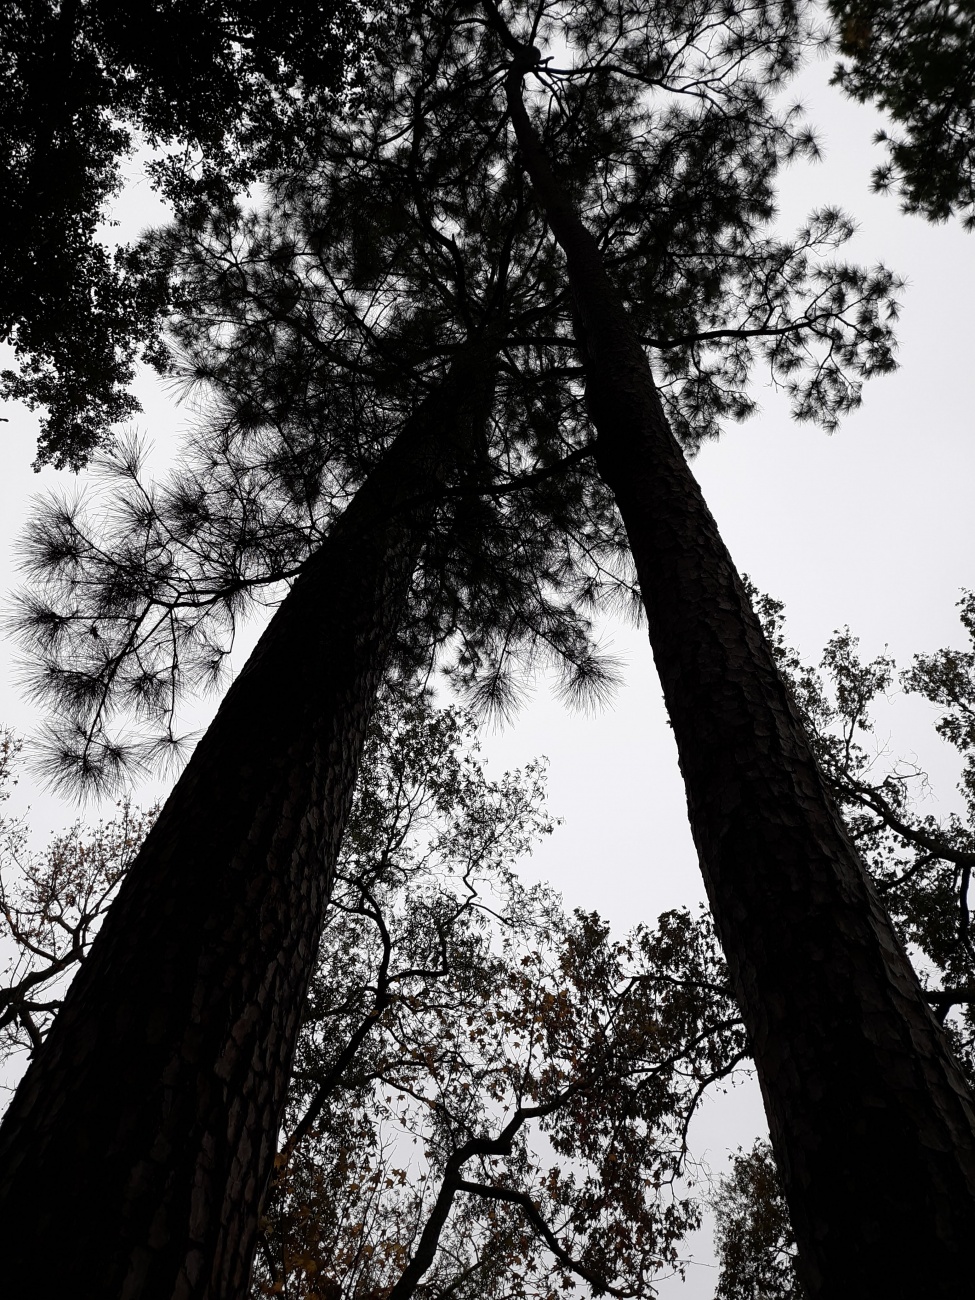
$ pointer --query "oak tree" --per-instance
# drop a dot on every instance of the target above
(490, 1097)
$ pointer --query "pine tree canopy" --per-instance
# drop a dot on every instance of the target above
(309, 327)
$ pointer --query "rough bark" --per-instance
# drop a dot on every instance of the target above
(140, 1142)
(872, 1122)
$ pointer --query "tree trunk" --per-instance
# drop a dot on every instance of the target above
(139, 1144)
(872, 1122)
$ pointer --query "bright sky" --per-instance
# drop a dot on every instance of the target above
(870, 527)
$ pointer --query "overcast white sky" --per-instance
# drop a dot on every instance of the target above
(870, 527)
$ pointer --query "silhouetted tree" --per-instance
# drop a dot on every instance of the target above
(51, 904)
(192, 1064)
(871, 1119)
(753, 1233)
(189, 1062)
(412, 291)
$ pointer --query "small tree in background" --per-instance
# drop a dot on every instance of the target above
(490, 1097)
(922, 863)
(51, 904)
(753, 1234)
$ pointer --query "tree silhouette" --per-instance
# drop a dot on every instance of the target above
(836, 1016)
(481, 504)
(239, 883)
(922, 868)
(754, 1237)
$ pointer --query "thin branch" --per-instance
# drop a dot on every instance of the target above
(524, 1201)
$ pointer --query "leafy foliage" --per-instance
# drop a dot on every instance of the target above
(916, 60)
(490, 1097)
(753, 1233)
(220, 92)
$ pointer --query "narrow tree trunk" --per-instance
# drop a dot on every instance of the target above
(872, 1122)
(135, 1155)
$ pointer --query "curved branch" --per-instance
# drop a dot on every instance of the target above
(525, 1202)
(870, 797)
(347, 1055)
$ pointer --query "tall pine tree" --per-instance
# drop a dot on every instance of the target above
(872, 1121)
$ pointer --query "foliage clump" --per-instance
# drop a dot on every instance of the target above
(220, 93)
(916, 60)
